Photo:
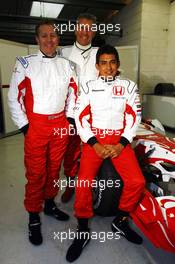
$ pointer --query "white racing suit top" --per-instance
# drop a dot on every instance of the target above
(85, 59)
(41, 85)
(112, 105)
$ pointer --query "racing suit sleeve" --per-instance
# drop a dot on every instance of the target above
(71, 98)
(16, 96)
(72, 93)
(83, 117)
(132, 115)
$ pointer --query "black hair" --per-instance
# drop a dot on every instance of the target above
(46, 21)
(87, 16)
(108, 49)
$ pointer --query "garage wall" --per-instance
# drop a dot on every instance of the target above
(154, 43)
(8, 52)
(170, 64)
(32, 49)
(150, 25)
(130, 20)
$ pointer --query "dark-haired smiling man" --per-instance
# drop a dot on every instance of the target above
(110, 105)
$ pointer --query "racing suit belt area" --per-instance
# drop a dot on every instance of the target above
(125, 164)
(44, 150)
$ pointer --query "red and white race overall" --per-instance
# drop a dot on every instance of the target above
(108, 111)
(42, 95)
(84, 57)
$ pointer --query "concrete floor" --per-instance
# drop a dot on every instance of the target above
(14, 245)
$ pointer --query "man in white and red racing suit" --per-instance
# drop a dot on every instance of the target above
(107, 115)
(83, 54)
(41, 97)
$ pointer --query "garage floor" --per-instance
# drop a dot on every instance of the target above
(14, 245)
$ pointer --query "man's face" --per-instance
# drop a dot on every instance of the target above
(83, 33)
(47, 39)
(108, 65)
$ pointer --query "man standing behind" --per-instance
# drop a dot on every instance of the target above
(83, 54)
(41, 96)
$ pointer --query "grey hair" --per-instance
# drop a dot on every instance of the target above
(87, 16)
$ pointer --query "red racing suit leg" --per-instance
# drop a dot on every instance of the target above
(72, 155)
(125, 164)
(44, 148)
(128, 168)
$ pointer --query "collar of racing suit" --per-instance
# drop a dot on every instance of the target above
(82, 48)
(108, 80)
(49, 57)
(46, 59)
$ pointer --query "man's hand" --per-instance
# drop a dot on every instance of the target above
(114, 150)
(101, 151)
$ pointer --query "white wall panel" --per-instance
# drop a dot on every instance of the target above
(8, 52)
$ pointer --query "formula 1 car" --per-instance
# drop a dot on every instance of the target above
(156, 155)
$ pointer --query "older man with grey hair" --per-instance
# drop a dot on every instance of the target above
(83, 54)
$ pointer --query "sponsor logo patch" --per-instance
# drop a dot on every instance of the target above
(118, 90)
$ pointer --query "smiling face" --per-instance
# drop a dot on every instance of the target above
(83, 33)
(108, 65)
(47, 39)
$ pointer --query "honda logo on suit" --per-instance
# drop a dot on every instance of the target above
(118, 90)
